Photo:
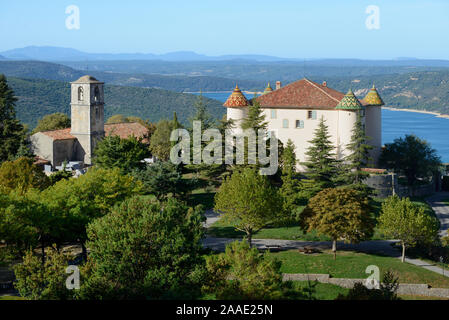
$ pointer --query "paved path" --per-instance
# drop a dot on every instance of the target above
(441, 209)
(211, 218)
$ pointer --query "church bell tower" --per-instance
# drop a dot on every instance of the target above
(87, 104)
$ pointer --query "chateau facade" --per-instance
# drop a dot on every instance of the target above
(294, 111)
(78, 142)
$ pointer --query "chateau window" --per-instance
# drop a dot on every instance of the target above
(311, 114)
(273, 114)
(80, 94)
(285, 123)
(299, 124)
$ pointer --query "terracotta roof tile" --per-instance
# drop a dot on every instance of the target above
(302, 93)
(62, 134)
(125, 130)
(236, 99)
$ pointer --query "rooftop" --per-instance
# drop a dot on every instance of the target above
(236, 99)
(87, 79)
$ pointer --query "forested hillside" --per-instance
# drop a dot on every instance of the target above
(419, 90)
(39, 97)
(52, 71)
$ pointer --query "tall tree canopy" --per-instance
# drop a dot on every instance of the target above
(412, 157)
(12, 132)
(126, 154)
(248, 201)
(321, 164)
(408, 222)
(340, 213)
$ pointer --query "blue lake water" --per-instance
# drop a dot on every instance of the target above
(396, 124)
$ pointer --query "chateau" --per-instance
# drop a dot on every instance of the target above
(78, 142)
(294, 111)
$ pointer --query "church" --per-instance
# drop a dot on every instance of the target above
(78, 142)
(294, 111)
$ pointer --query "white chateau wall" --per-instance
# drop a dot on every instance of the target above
(340, 124)
(237, 114)
(373, 127)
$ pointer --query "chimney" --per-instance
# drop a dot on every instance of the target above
(278, 85)
(324, 83)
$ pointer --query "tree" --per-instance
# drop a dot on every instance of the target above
(358, 156)
(160, 144)
(126, 154)
(46, 281)
(403, 220)
(202, 115)
(77, 202)
(290, 182)
(321, 165)
(255, 119)
(145, 249)
(117, 118)
(412, 157)
(248, 201)
(21, 175)
(340, 213)
(12, 132)
(162, 179)
(52, 121)
(241, 273)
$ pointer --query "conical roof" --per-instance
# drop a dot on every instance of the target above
(268, 89)
(236, 99)
(373, 98)
(349, 102)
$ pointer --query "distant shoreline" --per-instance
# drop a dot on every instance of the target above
(437, 114)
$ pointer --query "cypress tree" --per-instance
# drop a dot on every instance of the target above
(358, 156)
(12, 132)
(321, 165)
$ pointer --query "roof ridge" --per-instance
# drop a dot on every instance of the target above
(54, 130)
(313, 84)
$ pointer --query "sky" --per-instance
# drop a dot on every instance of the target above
(283, 28)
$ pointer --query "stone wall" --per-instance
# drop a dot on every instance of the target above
(386, 185)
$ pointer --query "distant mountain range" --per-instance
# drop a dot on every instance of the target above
(47, 53)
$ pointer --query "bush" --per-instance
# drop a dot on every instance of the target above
(242, 273)
(445, 184)
(46, 281)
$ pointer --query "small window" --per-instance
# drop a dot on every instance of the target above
(311, 114)
(285, 123)
(97, 94)
(273, 114)
(299, 124)
(80, 94)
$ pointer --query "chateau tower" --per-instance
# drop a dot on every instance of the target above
(373, 125)
(237, 108)
(87, 104)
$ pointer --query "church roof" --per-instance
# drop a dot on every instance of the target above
(302, 94)
(62, 134)
(123, 130)
(349, 102)
(87, 79)
(236, 99)
(373, 98)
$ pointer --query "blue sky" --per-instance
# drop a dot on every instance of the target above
(285, 28)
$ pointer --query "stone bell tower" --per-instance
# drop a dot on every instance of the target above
(87, 104)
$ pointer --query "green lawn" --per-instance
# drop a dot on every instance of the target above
(353, 265)
(11, 298)
(446, 201)
(323, 291)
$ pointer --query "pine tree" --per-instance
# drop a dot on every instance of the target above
(12, 132)
(321, 164)
(202, 115)
(255, 119)
(290, 182)
(359, 154)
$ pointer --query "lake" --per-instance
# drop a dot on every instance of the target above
(396, 124)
